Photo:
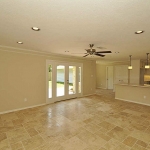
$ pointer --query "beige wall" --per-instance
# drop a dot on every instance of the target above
(135, 72)
(101, 79)
(23, 75)
(100, 76)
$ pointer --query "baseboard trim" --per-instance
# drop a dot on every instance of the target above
(101, 88)
(132, 101)
(13, 110)
(88, 95)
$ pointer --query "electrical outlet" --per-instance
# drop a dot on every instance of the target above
(144, 96)
(25, 99)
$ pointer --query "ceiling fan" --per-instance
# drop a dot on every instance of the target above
(92, 51)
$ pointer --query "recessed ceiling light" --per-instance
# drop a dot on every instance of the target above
(35, 28)
(20, 42)
(116, 52)
(139, 32)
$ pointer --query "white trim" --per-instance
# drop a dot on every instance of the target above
(88, 95)
(132, 101)
(43, 53)
(101, 88)
(13, 110)
(54, 64)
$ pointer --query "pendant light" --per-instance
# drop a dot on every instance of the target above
(130, 67)
(147, 66)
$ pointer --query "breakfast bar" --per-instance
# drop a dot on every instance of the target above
(133, 93)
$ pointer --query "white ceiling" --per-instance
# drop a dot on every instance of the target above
(71, 25)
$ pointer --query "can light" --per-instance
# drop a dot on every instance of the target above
(35, 28)
(139, 32)
(20, 42)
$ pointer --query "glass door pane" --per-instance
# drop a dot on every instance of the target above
(79, 80)
(50, 81)
(72, 79)
(60, 80)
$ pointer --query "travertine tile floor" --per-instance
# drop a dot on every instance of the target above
(97, 122)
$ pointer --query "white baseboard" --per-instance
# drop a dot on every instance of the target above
(132, 101)
(101, 88)
(89, 95)
(13, 110)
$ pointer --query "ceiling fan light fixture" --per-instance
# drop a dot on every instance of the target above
(130, 66)
(139, 32)
(35, 28)
(147, 66)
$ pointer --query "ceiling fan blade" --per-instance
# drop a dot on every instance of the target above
(100, 55)
(104, 52)
(86, 55)
(78, 53)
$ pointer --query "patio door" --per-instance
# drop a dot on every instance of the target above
(64, 81)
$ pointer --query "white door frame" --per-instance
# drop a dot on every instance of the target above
(107, 81)
(54, 74)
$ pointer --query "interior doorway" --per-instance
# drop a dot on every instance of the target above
(64, 80)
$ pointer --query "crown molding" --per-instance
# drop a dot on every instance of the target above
(41, 53)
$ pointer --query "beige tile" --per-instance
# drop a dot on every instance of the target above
(130, 141)
(141, 143)
(18, 138)
(103, 135)
(74, 143)
(97, 143)
(4, 145)
(138, 147)
(118, 133)
(5, 129)
(19, 121)
(32, 132)
(86, 136)
(50, 146)
(92, 127)
(145, 137)
(16, 132)
(33, 142)
(111, 145)
(97, 122)
(102, 148)
(132, 112)
(16, 146)
(77, 124)
(9, 117)
(3, 136)
(122, 147)
(106, 125)
(136, 126)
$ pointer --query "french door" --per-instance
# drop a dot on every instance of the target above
(64, 80)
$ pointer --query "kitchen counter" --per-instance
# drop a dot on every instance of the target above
(133, 93)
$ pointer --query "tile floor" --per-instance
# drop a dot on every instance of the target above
(97, 122)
